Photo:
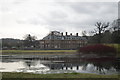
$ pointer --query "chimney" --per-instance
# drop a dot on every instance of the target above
(52, 33)
(66, 33)
(76, 34)
(62, 33)
(71, 34)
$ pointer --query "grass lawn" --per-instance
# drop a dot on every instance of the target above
(62, 75)
(7, 51)
(38, 52)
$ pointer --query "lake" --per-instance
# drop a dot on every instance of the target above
(59, 64)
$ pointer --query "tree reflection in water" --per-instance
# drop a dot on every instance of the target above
(99, 65)
(103, 66)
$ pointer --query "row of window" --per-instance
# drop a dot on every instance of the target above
(63, 38)
(61, 46)
(58, 42)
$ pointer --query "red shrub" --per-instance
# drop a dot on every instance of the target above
(98, 48)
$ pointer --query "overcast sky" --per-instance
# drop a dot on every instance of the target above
(39, 17)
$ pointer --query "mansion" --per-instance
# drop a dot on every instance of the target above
(57, 40)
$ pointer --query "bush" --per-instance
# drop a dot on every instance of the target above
(97, 49)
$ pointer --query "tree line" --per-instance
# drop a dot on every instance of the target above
(29, 42)
(105, 33)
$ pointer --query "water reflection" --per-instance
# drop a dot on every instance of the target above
(61, 65)
(11, 66)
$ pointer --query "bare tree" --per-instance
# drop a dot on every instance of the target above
(84, 33)
(116, 31)
(116, 25)
(100, 28)
(29, 40)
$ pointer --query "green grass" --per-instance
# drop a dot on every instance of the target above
(62, 75)
(38, 51)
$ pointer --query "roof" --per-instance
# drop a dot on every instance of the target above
(55, 35)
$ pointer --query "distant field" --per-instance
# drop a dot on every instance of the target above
(62, 75)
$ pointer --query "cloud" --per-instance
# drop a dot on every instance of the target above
(38, 17)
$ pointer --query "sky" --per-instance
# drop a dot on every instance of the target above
(39, 17)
